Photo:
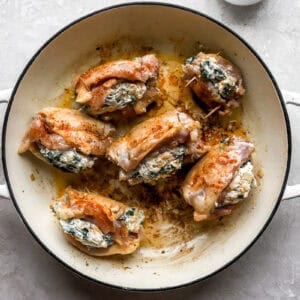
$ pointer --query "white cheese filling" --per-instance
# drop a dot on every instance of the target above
(157, 165)
(68, 160)
(225, 84)
(133, 219)
(241, 185)
(86, 233)
(123, 94)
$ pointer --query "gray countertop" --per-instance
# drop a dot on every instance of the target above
(269, 270)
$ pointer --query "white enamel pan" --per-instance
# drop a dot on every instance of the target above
(165, 27)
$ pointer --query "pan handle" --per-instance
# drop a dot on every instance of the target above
(291, 98)
(291, 191)
(4, 98)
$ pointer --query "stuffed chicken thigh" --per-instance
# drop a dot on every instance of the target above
(215, 80)
(157, 147)
(67, 139)
(97, 225)
(220, 180)
(125, 86)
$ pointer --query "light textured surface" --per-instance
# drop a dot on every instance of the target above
(269, 270)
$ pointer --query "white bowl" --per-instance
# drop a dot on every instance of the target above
(243, 2)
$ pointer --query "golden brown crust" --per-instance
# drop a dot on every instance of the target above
(102, 212)
(128, 151)
(93, 86)
(62, 129)
(122, 69)
(210, 176)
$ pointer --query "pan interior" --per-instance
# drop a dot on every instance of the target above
(167, 30)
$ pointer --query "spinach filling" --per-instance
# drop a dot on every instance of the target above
(228, 91)
(225, 84)
(240, 187)
(159, 165)
(133, 218)
(211, 71)
(189, 60)
(123, 94)
(86, 233)
(67, 161)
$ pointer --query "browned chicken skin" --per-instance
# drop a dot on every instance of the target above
(97, 225)
(157, 138)
(119, 85)
(57, 134)
(62, 128)
(215, 80)
(204, 185)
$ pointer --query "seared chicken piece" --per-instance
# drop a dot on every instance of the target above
(97, 225)
(119, 86)
(220, 180)
(67, 139)
(215, 80)
(157, 147)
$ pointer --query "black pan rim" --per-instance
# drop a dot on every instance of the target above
(179, 7)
